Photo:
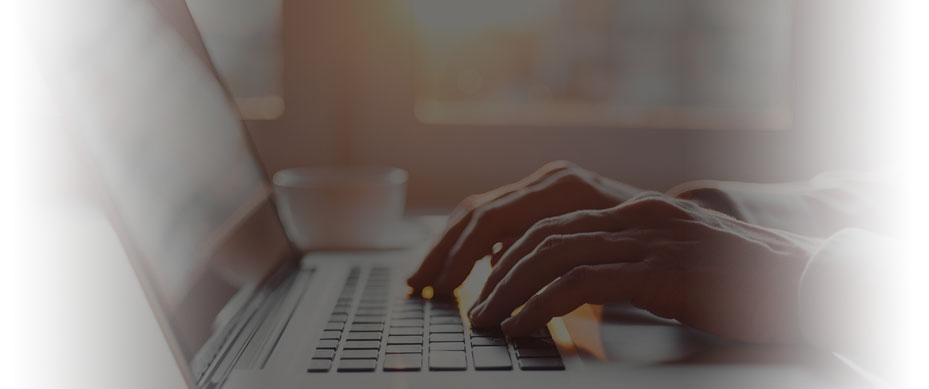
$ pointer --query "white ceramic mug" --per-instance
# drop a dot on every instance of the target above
(340, 207)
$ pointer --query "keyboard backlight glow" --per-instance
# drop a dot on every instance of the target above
(560, 333)
(427, 292)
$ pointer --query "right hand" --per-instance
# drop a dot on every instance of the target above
(504, 214)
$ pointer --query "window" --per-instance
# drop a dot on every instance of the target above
(27, 81)
(706, 64)
(243, 41)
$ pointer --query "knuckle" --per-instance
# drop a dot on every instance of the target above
(571, 177)
(558, 165)
(655, 203)
(541, 227)
(484, 215)
(578, 279)
(470, 202)
(550, 243)
(647, 196)
(544, 224)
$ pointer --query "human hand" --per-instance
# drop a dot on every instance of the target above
(668, 256)
(504, 214)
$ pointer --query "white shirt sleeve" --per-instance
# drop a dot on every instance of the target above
(852, 299)
(819, 207)
(863, 294)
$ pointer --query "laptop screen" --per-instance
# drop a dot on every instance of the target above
(189, 198)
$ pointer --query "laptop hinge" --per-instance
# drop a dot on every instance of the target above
(225, 350)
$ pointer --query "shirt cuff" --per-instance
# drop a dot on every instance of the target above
(867, 296)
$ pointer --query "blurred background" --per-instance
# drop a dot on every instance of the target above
(470, 95)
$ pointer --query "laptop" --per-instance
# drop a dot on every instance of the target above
(239, 307)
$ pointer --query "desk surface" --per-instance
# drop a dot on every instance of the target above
(82, 317)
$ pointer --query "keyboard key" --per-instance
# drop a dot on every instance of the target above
(485, 332)
(413, 305)
(446, 328)
(444, 304)
(521, 343)
(354, 365)
(406, 331)
(362, 344)
(488, 342)
(408, 308)
(536, 352)
(404, 349)
(406, 323)
(341, 310)
(446, 337)
(335, 326)
(319, 365)
(371, 311)
(408, 315)
(404, 339)
(363, 336)
(446, 346)
(453, 312)
(331, 335)
(359, 354)
(324, 354)
(366, 327)
(445, 320)
(338, 317)
(403, 362)
(447, 360)
(369, 319)
(541, 364)
(491, 358)
(328, 344)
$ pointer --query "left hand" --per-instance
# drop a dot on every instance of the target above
(668, 256)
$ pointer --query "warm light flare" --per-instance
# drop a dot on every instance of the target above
(427, 293)
(560, 334)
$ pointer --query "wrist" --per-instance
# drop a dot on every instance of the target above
(712, 199)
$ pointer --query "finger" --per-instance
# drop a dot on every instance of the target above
(648, 208)
(495, 257)
(555, 256)
(571, 223)
(434, 262)
(561, 193)
(585, 284)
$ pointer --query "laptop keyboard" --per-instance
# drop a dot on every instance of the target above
(368, 330)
